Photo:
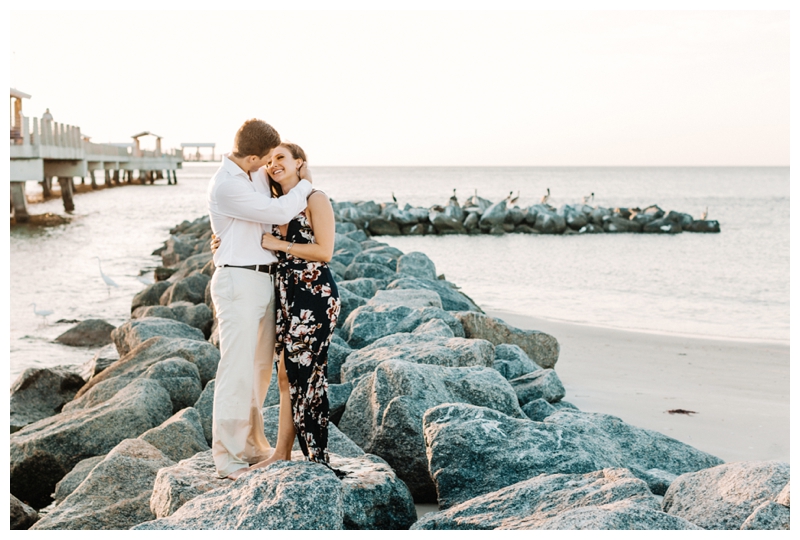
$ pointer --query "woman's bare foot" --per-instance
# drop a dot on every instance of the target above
(269, 461)
(237, 473)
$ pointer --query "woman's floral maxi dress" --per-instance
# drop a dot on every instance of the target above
(307, 314)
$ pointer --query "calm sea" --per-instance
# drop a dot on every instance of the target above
(732, 285)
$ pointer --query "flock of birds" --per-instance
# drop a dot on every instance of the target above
(44, 313)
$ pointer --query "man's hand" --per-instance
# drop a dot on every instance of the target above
(304, 173)
(215, 242)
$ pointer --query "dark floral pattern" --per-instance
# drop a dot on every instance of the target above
(307, 313)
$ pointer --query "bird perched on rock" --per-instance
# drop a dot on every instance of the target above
(393, 197)
(545, 197)
(513, 200)
(704, 215)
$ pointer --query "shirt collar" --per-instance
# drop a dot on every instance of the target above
(231, 167)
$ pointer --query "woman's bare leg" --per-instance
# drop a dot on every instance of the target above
(286, 433)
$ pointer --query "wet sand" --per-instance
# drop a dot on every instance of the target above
(739, 390)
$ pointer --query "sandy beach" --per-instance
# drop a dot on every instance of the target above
(739, 390)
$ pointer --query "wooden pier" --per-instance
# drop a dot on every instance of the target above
(43, 150)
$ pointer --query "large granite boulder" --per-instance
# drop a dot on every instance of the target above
(357, 270)
(191, 265)
(725, 496)
(73, 479)
(349, 301)
(384, 412)
(338, 442)
(512, 362)
(178, 248)
(41, 392)
(180, 378)
(150, 295)
(368, 324)
(189, 289)
(363, 287)
(22, 516)
(338, 351)
(705, 226)
(134, 364)
(100, 361)
(205, 408)
(769, 516)
(44, 452)
(115, 495)
(605, 499)
(343, 242)
(540, 347)
(287, 495)
(416, 264)
(452, 298)
(180, 436)
(413, 298)
(457, 437)
(177, 484)
(134, 332)
(88, 333)
(539, 384)
(199, 316)
(423, 348)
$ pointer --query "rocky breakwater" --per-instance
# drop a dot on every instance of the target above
(432, 401)
(481, 216)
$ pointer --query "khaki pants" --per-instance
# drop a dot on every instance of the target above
(245, 308)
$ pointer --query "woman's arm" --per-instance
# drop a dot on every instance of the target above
(320, 215)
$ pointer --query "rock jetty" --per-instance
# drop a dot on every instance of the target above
(481, 216)
(432, 401)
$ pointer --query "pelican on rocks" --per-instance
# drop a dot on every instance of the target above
(546, 197)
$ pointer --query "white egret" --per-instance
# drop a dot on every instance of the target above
(43, 313)
(109, 282)
(144, 279)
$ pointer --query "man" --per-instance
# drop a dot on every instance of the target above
(242, 290)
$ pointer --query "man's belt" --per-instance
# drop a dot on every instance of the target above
(266, 268)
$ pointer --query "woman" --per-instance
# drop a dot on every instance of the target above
(307, 312)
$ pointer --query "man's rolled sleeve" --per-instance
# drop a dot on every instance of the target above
(238, 201)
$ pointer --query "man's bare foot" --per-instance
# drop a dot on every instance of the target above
(269, 461)
(237, 473)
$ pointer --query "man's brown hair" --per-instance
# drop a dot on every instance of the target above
(255, 138)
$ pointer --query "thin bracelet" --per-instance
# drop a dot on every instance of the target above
(289, 247)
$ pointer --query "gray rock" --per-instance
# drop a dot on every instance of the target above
(44, 452)
(338, 442)
(205, 408)
(359, 236)
(115, 495)
(723, 497)
(177, 484)
(73, 479)
(343, 242)
(338, 394)
(97, 394)
(88, 333)
(191, 265)
(201, 353)
(538, 409)
(540, 347)
(565, 406)
(343, 228)
(413, 298)
(494, 215)
(338, 269)
(457, 436)
(22, 515)
(769, 516)
(543, 383)
(198, 316)
(662, 226)
(384, 413)
(150, 295)
(452, 299)
(349, 302)
(134, 332)
(41, 392)
(180, 436)
(369, 270)
(189, 289)
(377, 256)
(436, 327)
(445, 224)
(177, 248)
(370, 323)
(425, 348)
(605, 499)
(337, 355)
(550, 223)
(180, 378)
(101, 360)
(416, 264)
(380, 227)
(512, 362)
(705, 226)
(657, 480)
(783, 496)
(287, 495)
(364, 287)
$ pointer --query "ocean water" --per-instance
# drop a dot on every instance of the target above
(731, 285)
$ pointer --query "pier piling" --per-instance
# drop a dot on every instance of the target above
(66, 192)
(19, 203)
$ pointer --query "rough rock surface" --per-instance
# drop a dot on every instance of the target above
(44, 452)
(457, 437)
(88, 333)
(571, 501)
(338, 442)
(285, 496)
(540, 384)
(370, 323)
(723, 497)
(177, 484)
(540, 347)
(134, 332)
(100, 361)
(452, 298)
(769, 516)
(201, 353)
(205, 408)
(783, 496)
(413, 298)
(22, 515)
(416, 264)
(512, 362)
(41, 392)
(198, 316)
(425, 348)
(384, 412)
(74, 478)
(180, 378)
(150, 295)
(180, 436)
(115, 495)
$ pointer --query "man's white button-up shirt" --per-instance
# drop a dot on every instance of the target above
(242, 210)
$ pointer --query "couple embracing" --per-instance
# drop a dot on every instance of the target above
(275, 301)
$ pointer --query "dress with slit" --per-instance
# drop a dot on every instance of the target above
(306, 316)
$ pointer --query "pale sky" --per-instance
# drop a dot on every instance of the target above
(423, 87)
